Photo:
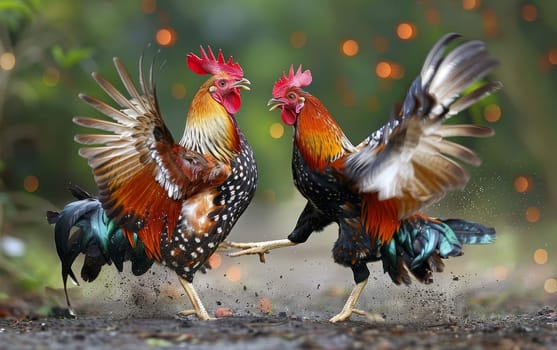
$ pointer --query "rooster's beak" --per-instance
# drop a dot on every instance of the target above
(274, 103)
(242, 84)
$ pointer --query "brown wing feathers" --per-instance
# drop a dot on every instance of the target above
(142, 174)
(412, 164)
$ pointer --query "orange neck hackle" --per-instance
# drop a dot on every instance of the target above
(210, 129)
(319, 138)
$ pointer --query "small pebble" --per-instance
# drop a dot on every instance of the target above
(223, 312)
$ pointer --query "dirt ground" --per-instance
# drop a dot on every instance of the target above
(123, 313)
(487, 299)
(533, 330)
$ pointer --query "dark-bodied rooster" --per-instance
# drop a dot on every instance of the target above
(375, 191)
(159, 200)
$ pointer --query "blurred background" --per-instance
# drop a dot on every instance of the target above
(363, 55)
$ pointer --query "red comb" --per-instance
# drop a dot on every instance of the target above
(213, 65)
(292, 80)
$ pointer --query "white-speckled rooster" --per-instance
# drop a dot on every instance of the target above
(159, 200)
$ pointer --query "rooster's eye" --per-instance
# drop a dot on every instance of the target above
(222, 83)
(291, 96)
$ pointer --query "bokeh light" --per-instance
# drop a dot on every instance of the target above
(12, 246)
(298, 40)
(389, 70)
(383, 69)
(550, 285)
(166, 37)
(406, 31)
(540, 256)
(178, 91)
(350, 47)
(234, 274)
(529, 13)
(532, 214)
(492, 113)
(397, 71)
(215, 261)
(7, 61)
(276, 130)
(31, 183)
(470, 5)
(522, 184)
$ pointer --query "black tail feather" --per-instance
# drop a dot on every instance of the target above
(471, 232)
(95, 236)
(421, 243)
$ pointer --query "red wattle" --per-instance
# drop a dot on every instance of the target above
(232, 102)
(288, 116)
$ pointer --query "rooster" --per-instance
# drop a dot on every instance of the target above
(375, 191)
(159, 200)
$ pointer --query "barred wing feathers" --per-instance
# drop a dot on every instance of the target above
(143, 175)
(409, 163)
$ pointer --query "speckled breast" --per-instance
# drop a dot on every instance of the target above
(208, 218)
(325, 190)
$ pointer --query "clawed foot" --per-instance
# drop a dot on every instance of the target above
(249, 249)
(345, 314)
(198, 308)
(259, 248)
(349, 309)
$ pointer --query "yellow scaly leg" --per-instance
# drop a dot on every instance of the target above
(198, 308)
(349, 309)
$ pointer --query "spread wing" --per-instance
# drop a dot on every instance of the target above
(409, 163)
(142, 174)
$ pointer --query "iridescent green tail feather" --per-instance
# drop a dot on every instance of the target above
(95, 236)
(420, 243)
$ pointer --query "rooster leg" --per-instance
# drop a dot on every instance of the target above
(198, 308)
(260, 248)
(349, 309)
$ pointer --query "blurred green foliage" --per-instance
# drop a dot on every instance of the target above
(69, 58)
(58, 44)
